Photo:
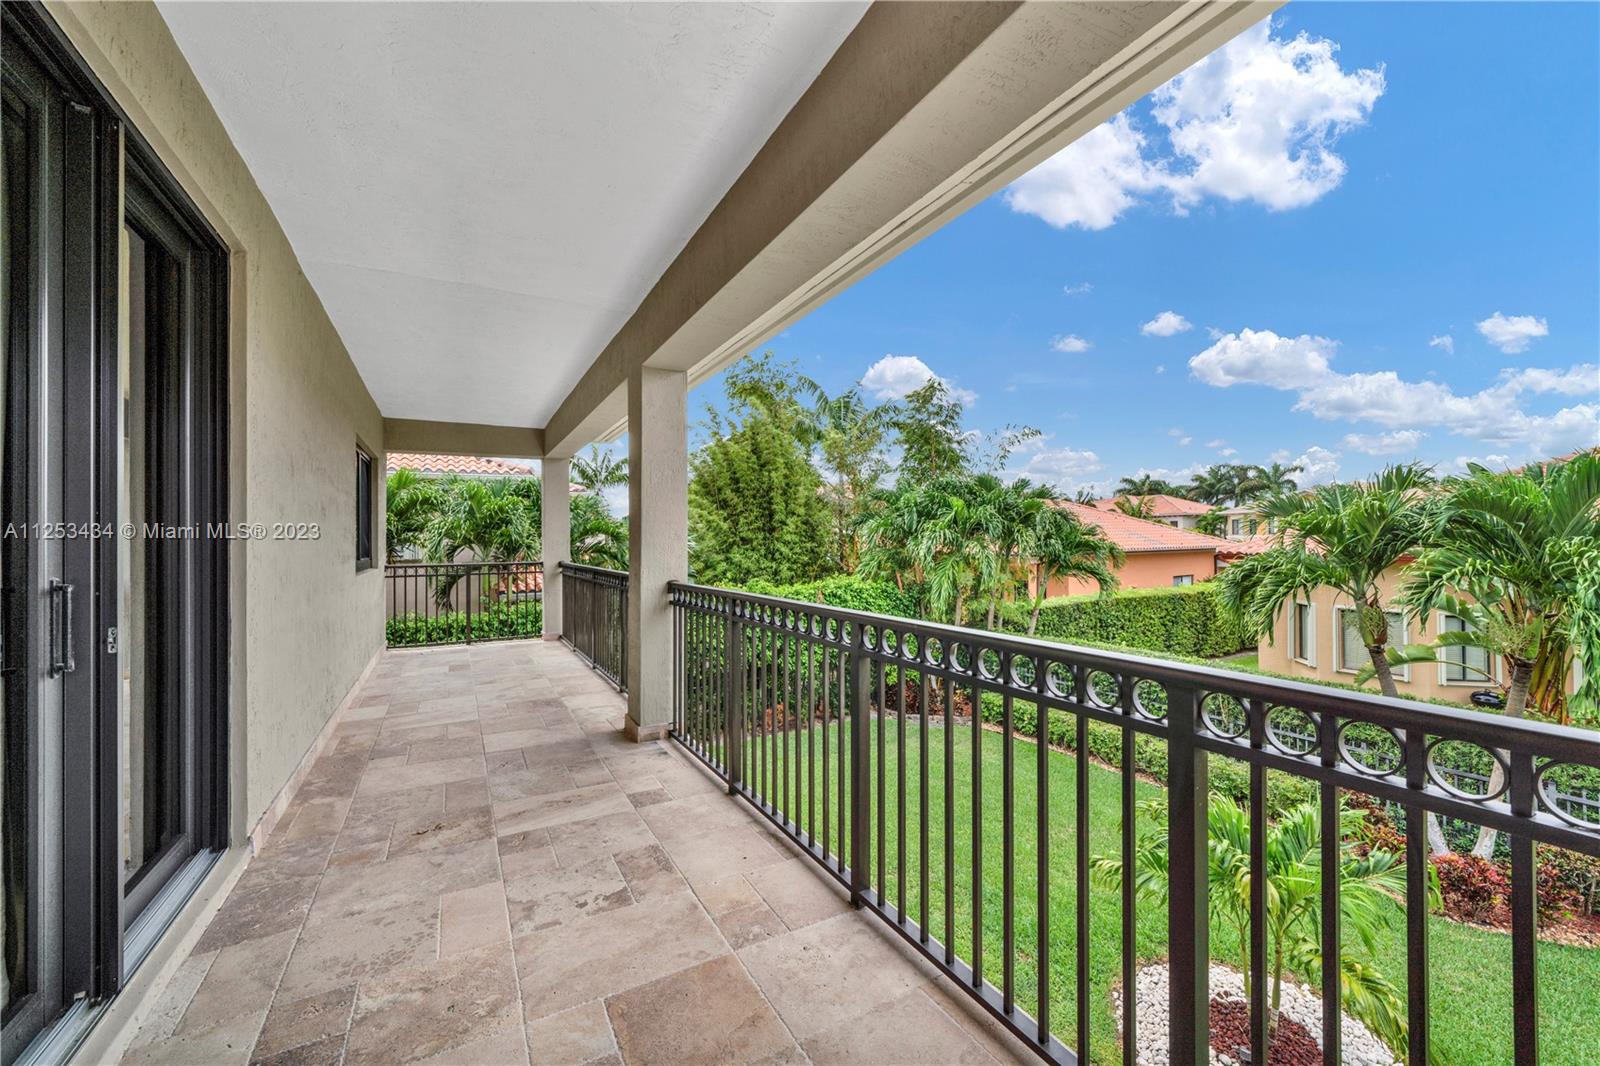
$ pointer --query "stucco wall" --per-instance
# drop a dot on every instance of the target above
(1146, 570)
(1426, 681)
(305, 622)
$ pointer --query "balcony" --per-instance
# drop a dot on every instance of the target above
(482, 869)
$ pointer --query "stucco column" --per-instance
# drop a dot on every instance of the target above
(555, 536)
(658, 539)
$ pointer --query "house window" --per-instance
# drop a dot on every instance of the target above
(1462, 664)
(1254, 526)
(1353, 653)
(1183, 579)
(1304, 634)
(363, 510)
(1236, 527)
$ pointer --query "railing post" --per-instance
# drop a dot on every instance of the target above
(471, 575)
(1188, 920)
(860, 754)
(1524, 915)
(733, 701)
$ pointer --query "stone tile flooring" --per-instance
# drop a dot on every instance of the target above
(482, 870)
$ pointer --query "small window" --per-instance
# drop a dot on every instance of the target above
(1182, 579)
(1462, 664)
(363, 510)
(1304, 634)
(1236, 527)
(1254, 527)
(1353, 653)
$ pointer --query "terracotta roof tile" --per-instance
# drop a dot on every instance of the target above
(1162, 505)
(471, 465)
(1139, 534)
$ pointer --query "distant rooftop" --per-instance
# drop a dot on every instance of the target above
(468, 465)
(1140, 534)
(1161, 505)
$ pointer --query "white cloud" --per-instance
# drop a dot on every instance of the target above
(1395, 443)
(1166, 324)
(894, 376)
(1317, 465)
(1254, 121)
(1261, 357)
(1228, 453)
(1512, 333)
(1217, 443)
(1161, 369)
(1178, 434)
(1065, 468)
(1070, 342)
(1303, 365)
(1082, 288)
(1444, 342)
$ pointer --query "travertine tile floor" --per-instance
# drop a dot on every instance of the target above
(482, 870)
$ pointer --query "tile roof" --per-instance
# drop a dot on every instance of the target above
(1162, 505)
(471, 465)
(1249, 546)
(1140, 534)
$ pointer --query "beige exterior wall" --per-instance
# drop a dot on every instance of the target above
(1418, 680)
(1146, 570)
(305, 623)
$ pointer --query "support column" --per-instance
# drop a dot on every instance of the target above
(555, 535)
(658, 539)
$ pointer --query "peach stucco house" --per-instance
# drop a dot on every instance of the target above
(1158, 555)
(1174, 511)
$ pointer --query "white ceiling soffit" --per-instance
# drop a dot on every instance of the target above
(481, 194)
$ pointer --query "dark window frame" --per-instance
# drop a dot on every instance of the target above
(366, 512)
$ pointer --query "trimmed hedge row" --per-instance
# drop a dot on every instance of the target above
(847, 592)
(1188, 620)
(499, 621)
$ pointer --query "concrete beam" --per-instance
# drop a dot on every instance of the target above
(658, 540)
(924, 110)
(555, 534)
(462, 438)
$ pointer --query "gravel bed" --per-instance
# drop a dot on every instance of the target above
(1360, 1046)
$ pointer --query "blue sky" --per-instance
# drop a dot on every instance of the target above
(1310, 212)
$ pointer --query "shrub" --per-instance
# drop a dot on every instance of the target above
(847, 592)
(1474, 889)
(498, 621)
(1574, 875)
(1188, 620)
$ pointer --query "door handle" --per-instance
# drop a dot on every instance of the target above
(61, 658)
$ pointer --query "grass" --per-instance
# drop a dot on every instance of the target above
(1470, 968)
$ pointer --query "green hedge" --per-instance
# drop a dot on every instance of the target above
(499, 621)
(1187, 621)
(850, 593)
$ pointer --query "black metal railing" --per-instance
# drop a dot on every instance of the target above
(462, 603)
(846, 728)
(594, 618)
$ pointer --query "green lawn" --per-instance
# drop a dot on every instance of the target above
(1470, 968)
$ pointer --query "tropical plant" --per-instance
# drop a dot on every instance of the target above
(1213, 523)
(598, 538)
(412, 501)
(489, 521)
(1368, 888)
(1258, 481)
(927, 426)
(755, 501)
(599, 471)
(850, 435)
(1145, 485)
(1513, 555)
(1217, 484)
(1136, 507)
(1061, 546)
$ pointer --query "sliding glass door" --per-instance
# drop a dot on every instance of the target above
(113, 628)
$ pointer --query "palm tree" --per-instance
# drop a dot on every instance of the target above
(1218, 483)
(600, 471)
(411, 501)
(491, 521)
(1275, 480)
(1064, 547)
(1136, 507)
(1344, 537)
(1341, 536)
(1517, 544)
(1368, 887)
(598, 539)
(1145, 485)
(849, 433)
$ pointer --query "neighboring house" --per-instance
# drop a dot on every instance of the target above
(1174, 511)
(1158, 556)
(464, 465)
(1241, 523)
